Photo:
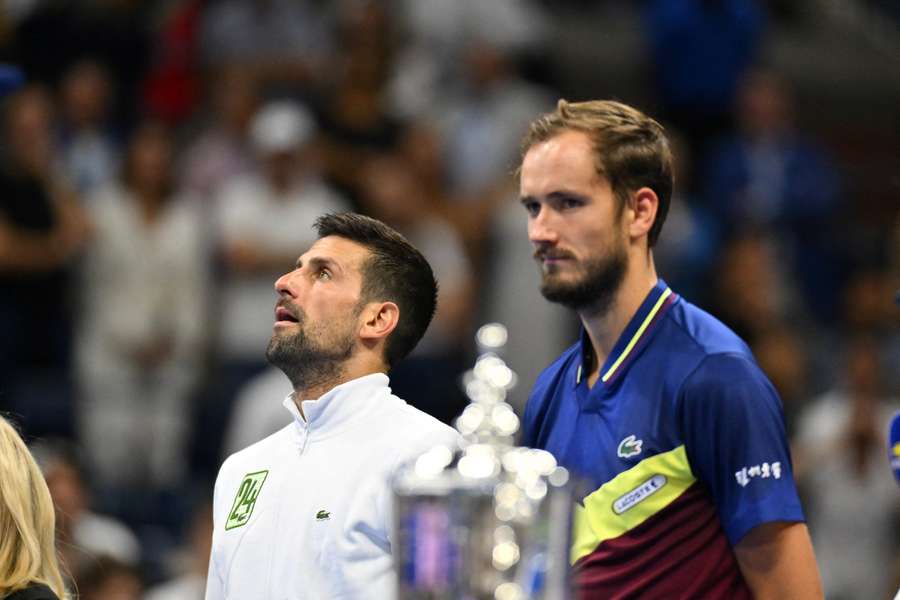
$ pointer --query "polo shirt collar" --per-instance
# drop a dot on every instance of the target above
(340, 405)
(635, 335)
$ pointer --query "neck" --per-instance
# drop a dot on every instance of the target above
(605, 328)
(315, 388)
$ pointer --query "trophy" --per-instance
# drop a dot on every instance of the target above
(486, 520)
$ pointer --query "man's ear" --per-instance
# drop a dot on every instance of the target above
(379, 320)
(642, 206)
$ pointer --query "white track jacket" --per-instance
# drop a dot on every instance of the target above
(305, 514)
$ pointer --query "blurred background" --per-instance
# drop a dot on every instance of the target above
(163, 161)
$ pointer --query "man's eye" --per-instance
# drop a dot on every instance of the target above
(570, 203)
(323, 275)
(532, 208)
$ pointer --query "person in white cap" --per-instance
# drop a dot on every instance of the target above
(262, 218)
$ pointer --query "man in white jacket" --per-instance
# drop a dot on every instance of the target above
(306, 512)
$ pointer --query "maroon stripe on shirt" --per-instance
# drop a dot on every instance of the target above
(680, 552)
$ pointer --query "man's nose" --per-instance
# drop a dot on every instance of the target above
(541, 229)
(284, 285)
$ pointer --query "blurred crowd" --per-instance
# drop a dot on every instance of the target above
(163, 165)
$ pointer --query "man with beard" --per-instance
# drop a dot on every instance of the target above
(306, 512)
(659, 406)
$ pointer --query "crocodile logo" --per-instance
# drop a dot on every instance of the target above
(323, 515)
(630, 446)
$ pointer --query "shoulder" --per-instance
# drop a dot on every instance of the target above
(33, 592)
(721, 371)
(705, 332)
(250, 458)
(729, 389)
(418, 430)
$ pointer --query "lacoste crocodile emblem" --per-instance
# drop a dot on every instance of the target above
(323, 515)
(630, 446)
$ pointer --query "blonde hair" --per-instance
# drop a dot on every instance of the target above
(630, 149)
(27, 520)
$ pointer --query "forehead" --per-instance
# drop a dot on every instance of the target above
(346, 253)
(566, 158)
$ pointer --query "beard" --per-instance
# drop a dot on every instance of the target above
(595, 289)
(311, 355)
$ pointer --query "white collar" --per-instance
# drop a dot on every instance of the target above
(339, 405)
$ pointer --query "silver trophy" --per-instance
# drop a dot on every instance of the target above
(486, 520)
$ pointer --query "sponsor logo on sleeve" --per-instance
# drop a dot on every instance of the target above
(761, 471)
(245, 500)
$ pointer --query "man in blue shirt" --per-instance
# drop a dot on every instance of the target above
(660, 407)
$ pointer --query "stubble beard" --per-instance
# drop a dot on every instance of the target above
(311, 356)
(596, 289)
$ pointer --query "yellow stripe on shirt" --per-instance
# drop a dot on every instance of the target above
(637, 335)
(629, 499)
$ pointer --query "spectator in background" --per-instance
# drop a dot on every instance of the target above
(853, 506)
(439, 35)
(28, 555)
(263, 218)
(42, 228)
(190, 583)
(686, 254)
(143, 325)
(768, 176)
(252, 420)
(172, 86)
(108, 579)
(353, 106)
(114, 33)
(782, 354)
(751, 289)
(88, 149)
(429, 376)
(222, 148)
(84, 535)
(699, 50)
(284, 43)
(481, 126)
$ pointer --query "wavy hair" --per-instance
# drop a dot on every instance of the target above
(631, 150)
(27, 520)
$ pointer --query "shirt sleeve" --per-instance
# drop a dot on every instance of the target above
(215, 587)
(529, 418)
(734, 433)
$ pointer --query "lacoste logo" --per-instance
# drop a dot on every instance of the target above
(323, 515)
(245, 500)
(630, 499)
(630, 446)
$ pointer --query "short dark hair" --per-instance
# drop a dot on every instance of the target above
(396, 271)
(630, 149)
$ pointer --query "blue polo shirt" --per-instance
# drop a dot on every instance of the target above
(682, 443)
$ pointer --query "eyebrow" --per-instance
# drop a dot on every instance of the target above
(555, 195)
(319, 261)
